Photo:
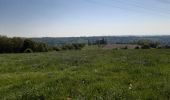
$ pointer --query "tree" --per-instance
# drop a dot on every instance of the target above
(28, 44)
(17, 45)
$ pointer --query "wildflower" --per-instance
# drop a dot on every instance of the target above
(130, 86)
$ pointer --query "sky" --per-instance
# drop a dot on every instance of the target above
(72, 18)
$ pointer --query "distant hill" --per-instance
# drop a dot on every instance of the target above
(110, 39)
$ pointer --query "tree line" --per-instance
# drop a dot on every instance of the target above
(18, 45)
(21, 45)
(147, 44)
(73, 46)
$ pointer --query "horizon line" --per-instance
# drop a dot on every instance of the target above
(87, 36)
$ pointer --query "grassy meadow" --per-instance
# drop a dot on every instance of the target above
(89, 74)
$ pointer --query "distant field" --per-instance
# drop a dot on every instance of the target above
(89, 74)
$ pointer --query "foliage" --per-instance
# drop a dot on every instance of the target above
(125, 47)
(56, 48)
(10, 44)
(110, 39)
(35, 46)
(165, 47)
(137, 47)
(74, 46)
(18, 45)
(147, 44)
(78, 46)
(28, 50)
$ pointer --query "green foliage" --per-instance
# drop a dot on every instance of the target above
(147, 44)
(164, 47)
(89, 74)
(28, 50)
(18, 45)
(35, 46)
(9, 45)
(137, 47)
(74, 46)
(125, 47)
(78, 46)
(56, 48)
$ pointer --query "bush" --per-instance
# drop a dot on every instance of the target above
(137, 47)
(167, 47)
(125, 47)
(74, 46)
(56, 48)
(147, 44)
(35, 46)
(145, 47)
(78, 46)
(28, 50)
(67, 47)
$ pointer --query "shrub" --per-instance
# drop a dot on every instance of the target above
(137, 47)
(67, 47)
(167, 47)
(28, 50)
(56, 48)
(125, 47)
(146, 44)
(74, 46)
(145, 47)
(78, 46)
(160, 47)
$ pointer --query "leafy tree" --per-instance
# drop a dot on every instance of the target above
(28, 44)
(17, 45)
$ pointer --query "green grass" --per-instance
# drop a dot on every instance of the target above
(89, 74)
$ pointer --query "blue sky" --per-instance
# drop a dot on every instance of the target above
(64, 18)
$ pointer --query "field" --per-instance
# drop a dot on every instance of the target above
(90, 74)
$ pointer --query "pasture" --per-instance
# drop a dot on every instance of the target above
(89, 74)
